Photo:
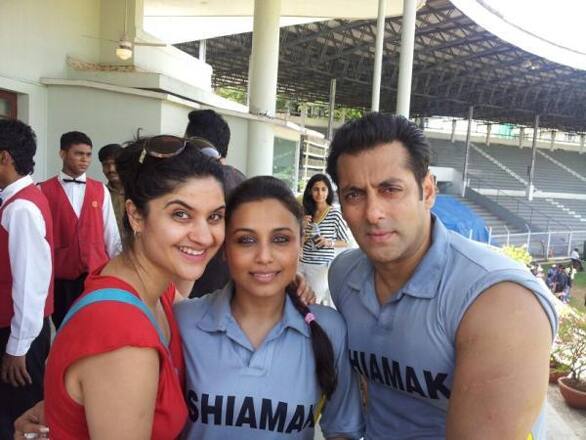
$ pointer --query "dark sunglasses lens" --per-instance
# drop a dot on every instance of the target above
(164, 145)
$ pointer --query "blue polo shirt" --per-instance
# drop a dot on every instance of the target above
(236, 392)
(406, 347)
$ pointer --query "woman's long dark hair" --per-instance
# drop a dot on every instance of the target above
(309, 205)
(156, 177)
(267, 187)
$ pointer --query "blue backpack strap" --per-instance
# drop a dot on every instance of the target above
(114, 295)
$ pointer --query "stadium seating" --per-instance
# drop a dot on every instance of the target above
(500, 167)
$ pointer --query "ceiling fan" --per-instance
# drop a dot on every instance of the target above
(124, 47)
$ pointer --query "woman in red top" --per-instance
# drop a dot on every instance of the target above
(114, 372)
(115, 369)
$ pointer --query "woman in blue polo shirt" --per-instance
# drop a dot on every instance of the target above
(260, 365)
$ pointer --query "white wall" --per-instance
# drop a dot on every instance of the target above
(174, 63)
(105, 116)
(36, 36)
(174, 117)
(238, 148)
(35, 39)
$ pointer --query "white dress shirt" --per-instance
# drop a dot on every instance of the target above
(30, 264)
(76, 192)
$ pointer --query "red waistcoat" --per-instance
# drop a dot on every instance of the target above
(79, 243)
(33, 195)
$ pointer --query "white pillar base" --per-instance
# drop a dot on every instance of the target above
(261, 139)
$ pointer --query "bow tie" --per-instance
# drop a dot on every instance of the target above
(81, 182)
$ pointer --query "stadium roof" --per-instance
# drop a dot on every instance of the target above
(457, 63)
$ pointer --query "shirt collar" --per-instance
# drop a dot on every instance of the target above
(425, 280)
(219, 312)
(15, 187)
(62, 176)
(219, 317)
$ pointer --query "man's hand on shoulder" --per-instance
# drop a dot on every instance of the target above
(13, 370)
(502, 353)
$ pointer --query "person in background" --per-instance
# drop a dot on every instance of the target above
(560, 283)
(325, 230)
(245, 343)
(26, 276)
(133, 372)
(210, 126)
(550, 276)
(84, 225)
(437, 325)
(576, 261)
(571, 273)
(107, 156)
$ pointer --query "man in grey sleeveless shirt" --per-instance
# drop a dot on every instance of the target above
(452, 339)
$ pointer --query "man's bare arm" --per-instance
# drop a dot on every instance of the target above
(502, 360)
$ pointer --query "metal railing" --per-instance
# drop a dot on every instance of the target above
(312, 158)
(478, 130)
(534, 217)
(543, 245)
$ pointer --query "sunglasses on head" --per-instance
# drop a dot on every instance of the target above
(166, 146)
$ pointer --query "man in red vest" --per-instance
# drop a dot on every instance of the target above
(26, 274)
(84, 225)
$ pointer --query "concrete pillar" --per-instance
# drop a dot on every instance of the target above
(202, 50)
(303, 115)
(582, 139)
(521, 137)
(453, 135)
(552, 144)
(332, 108)
(406, 57)
(467, 157)
(488, 130)
(530, 184)
(378, 57)
(263, 86)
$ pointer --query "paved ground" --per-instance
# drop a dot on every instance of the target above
(564, 423)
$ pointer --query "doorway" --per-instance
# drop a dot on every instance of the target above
(7, 105)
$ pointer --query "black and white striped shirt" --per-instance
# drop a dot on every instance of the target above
(331, 227)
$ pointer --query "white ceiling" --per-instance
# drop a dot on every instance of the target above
(175, 21)
(552, 30)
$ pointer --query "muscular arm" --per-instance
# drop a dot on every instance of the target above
(502, 351)
(118, 391)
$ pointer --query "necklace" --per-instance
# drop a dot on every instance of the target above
(319, 218)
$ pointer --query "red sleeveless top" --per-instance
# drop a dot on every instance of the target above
(107, 326)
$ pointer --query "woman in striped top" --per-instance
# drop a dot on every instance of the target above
(324, 230)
